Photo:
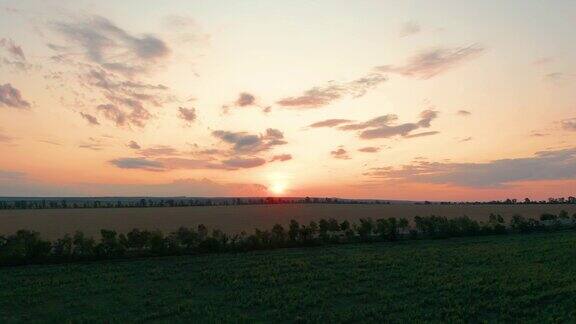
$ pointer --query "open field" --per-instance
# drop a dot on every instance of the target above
(526, 278)
(54, 223)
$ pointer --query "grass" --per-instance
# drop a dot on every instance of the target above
(529, 278)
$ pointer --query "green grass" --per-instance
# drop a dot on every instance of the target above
(530, 278)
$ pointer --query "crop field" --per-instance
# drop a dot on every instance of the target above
(54, 223)
(515, 278)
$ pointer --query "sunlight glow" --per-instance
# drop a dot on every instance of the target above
(278, 188)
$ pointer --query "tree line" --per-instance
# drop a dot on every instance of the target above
(66, 203)
(27, 247)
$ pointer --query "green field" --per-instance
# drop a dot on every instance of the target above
(529, 278)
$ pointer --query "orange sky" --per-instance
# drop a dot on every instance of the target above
(375, 99)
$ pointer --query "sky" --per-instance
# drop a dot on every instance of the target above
(415, 100)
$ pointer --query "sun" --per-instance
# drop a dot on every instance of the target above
(278, 188)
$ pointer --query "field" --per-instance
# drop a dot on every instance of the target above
(54, 223)
(526, 278)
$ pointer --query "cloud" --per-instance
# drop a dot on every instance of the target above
(281, 158)
(340, 153)
(133, 145)
(111, 47)
(108, 60)
(432, 62)
(137, 163)
(159, 150)
(244, 163)
(187, 114)
(113, 113)
(374, 122)
(244, 143)
(559, 78)
(90, 119)
(463, 113)
(385, 127)
(466, 139)
(369, 149)
(321, 96)
(409, 28)
(91, 146)
(245, 99)
(190, 164)
(422, 134)
(19, 184)
(128, 97)
(569, 124)
(11, 97)
(203, 164)
(16, 58)
(185, 29)
(329, 123)
(544, 165)
(12, 48)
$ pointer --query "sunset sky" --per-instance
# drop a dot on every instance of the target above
(438, 100)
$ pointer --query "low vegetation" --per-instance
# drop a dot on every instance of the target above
(481, 279)
(27, 247)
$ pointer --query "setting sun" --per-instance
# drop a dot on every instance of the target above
(278, 188)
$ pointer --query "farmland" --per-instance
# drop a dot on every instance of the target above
(54, 223)
(528, 278)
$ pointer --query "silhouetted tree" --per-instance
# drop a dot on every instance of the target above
(293, 230)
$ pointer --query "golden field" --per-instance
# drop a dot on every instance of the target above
(54, 223)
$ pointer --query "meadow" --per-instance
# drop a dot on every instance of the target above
(510, 278)
(54, 223)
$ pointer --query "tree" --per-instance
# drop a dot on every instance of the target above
(365, 229)
(323, 228)
(279, 235)
(109, 244)
(293, 230)
(202, 232)
(63, 247)
(83, 246)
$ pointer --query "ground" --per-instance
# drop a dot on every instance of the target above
(54, 223)
(528, 278)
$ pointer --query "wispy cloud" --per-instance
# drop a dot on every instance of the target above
(340, 153)
(544, 165)
(385, 126)
(12, 48)
(321, 96)
(159, 150)
(137, 163)
(11, 97)
(569, 124)
(281, 158)
(369, 149)
(409, 28)
(330, 123)
(245, 143)
(432, 62)
(112, 47)
(90, 119)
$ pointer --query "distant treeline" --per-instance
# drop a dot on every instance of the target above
(65, 203)
(27, 247)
